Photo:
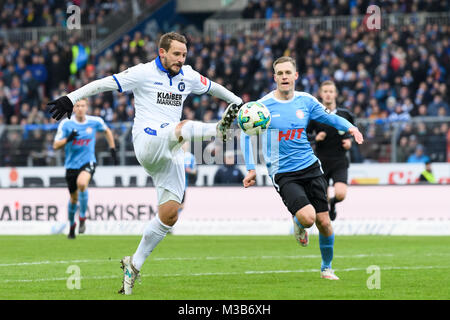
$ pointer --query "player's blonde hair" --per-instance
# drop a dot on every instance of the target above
(85, 100)
(328, 83)
(284, 59)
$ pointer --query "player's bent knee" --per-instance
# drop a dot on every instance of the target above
(306, 216)
(82, 187)
(340, 190)
(323, 221)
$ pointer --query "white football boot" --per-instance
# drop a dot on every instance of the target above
(228, 117)
(328, 274)
(301, 235)
(130, 274)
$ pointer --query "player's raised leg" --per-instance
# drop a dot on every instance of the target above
(304, 218)
(326, 244)
(228, 117)
(188, 130)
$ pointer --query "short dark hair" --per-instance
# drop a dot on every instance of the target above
(166, 39)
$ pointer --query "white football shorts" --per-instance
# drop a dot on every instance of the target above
(161, 156)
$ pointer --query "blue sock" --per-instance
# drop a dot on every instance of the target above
(72, 210)
(298, 222)
(326, 245)
(83, 199)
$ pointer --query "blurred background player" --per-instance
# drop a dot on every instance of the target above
(229, 173)
(77, 136)
(332, 145)
(160, 88)
(294, 169)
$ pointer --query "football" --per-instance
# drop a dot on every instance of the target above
(253, 118)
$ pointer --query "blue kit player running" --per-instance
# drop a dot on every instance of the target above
(77, 136)
(294, 169)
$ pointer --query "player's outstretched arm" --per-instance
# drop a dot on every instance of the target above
(250, 179)
(64, 105)
(223, 93)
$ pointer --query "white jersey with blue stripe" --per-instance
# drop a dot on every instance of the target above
(158, 95)
(81, 149)
(285, 144)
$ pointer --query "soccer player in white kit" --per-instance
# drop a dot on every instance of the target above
(160, 88)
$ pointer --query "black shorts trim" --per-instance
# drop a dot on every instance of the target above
(298, 189)
(72, 175)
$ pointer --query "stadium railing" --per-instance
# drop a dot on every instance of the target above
(86, 34)
(245, 26)
(22, 146)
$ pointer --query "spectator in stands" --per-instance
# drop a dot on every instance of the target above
(406, 69)
(228, 173)
(403, 150)
(433, 108)
(418, 155)
(436, 144)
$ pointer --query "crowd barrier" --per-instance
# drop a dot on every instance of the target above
(380, 210)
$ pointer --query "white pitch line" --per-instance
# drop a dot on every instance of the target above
(248, 272)
(312, 256)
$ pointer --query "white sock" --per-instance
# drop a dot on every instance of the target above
(196, 130)
(153, 234)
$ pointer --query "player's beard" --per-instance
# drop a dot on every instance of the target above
(174, 73)
(169, 69)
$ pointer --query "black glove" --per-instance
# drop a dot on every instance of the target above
(72, 135)
(60, 107)
(114, 156)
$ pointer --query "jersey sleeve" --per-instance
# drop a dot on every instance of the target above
(130, 78)
(62, 131)
(200, 84)
(319, 113)
(247, 151)
(101, 125)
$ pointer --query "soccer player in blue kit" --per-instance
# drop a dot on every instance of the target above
(294, 169)
(77, 136)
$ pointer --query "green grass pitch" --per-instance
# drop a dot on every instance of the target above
(226, 268)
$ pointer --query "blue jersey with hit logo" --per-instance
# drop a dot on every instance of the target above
(285, 145)
(80, 150)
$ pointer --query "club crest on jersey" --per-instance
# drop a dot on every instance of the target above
(300, 114)
(181, 86)
(89, 130)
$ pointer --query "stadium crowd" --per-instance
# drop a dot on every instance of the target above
(387, 77)
(267, 9)
(52, 13)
